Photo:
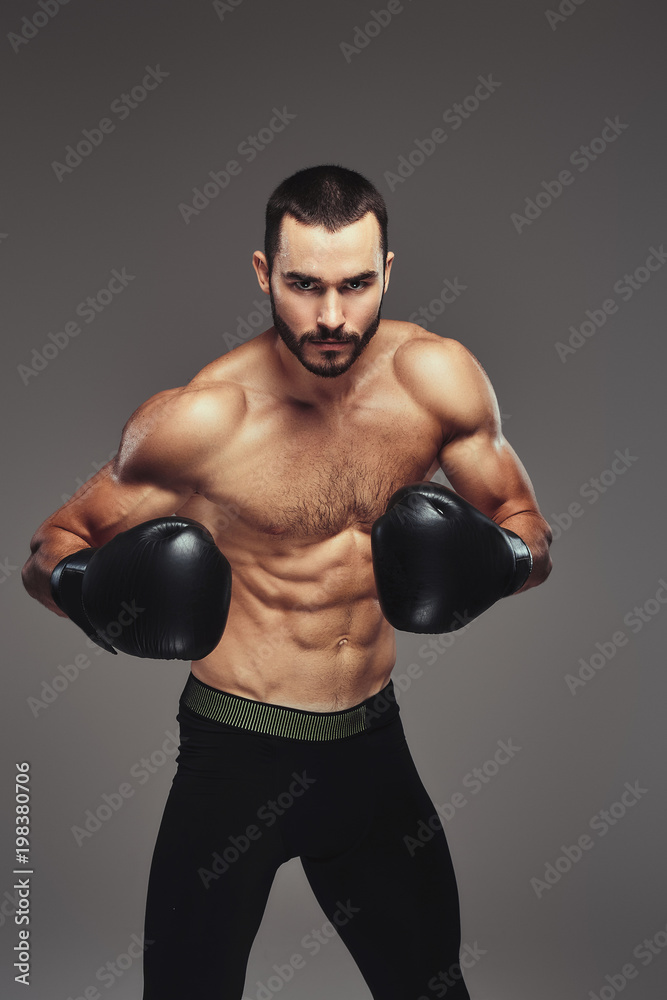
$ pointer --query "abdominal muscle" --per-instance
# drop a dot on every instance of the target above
(305, 628)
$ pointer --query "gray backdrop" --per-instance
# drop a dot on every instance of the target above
(563, 305)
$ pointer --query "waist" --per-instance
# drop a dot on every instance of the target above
(271, 664)
(282, 720)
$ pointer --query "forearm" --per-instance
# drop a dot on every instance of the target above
(52, 546)
(536, 533)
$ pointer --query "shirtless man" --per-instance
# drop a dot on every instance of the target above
(294, 451)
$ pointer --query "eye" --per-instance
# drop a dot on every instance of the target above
(356, 285)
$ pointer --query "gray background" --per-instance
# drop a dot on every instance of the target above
(502, 678)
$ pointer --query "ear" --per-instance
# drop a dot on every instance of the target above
(387, 269)
(262, 270)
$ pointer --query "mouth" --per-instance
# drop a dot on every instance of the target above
(330, 343)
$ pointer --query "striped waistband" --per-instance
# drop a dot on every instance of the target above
(281, 720)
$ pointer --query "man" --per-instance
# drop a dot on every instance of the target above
(305, 457)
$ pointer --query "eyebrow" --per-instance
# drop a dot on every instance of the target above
(300, 276)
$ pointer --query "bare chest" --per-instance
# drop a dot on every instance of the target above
(304, 476)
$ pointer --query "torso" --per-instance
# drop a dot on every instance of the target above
(290, 498)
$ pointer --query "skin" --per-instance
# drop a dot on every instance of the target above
(288, 452)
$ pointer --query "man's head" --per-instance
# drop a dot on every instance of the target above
(325, 265)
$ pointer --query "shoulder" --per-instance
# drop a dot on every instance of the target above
(177, 428)
(187, 408)
(446, 378)
(423, 359)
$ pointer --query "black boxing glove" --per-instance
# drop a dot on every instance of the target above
(439, 562)
(161, 590)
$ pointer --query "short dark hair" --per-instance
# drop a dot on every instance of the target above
(331, 196)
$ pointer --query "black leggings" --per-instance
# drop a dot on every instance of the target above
(246, 798)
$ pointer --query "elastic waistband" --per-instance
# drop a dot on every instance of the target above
(281, 720)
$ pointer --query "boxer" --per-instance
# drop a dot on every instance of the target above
(277, 517)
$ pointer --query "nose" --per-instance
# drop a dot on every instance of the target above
(330, 313)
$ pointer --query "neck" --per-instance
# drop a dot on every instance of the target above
(308, 388)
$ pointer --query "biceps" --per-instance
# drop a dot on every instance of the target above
(485, 470)
(106, 504)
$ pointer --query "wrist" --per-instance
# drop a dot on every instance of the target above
(523, 561)
(66, 590)
(67, 576)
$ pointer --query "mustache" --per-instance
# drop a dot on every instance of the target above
(338, 338)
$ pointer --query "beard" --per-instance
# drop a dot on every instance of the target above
(331, 365)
